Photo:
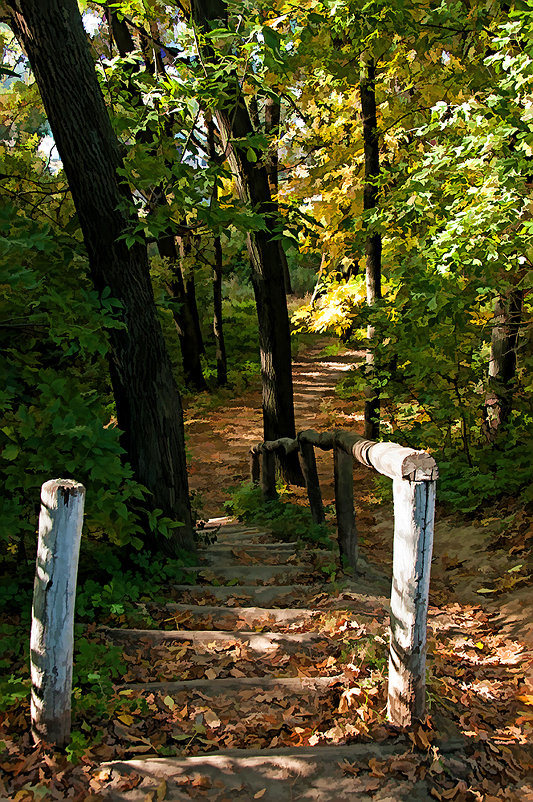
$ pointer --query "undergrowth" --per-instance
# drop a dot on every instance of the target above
(285, 520)
(108, 593)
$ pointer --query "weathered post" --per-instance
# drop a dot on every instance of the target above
(308, 463)
(414, 510)
(346, 529)
(268, 475)
(255, 465)
(52, 630)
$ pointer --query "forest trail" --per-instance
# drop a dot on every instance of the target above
(265, 681)
(219, 438)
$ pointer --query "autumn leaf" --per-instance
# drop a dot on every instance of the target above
(260, 793)
(211, 719)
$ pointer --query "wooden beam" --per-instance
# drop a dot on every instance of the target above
(414, 509)
(308, 463)
(52, 629)
(390, 459)
(284, 444)
(346, 530)
(324, 440)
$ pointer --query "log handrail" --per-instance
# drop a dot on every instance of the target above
(414, 474)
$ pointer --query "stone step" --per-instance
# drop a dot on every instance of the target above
(234, 618)
(290, 596)
(250, 548)
(259, 642)
(265, 594)
(218, 687)
(250, 574)
(273, 775)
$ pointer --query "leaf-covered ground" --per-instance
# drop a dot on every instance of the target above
(475, 745)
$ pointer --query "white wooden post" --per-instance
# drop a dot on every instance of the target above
(52, 630)
(414, 510)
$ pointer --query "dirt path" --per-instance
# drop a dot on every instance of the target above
(467, 557)
(489, 634)
(219, 438)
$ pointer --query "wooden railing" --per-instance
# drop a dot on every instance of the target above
(414, 475)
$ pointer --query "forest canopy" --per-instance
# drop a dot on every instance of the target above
(373, 160)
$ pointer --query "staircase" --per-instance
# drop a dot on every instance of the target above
(273, 688)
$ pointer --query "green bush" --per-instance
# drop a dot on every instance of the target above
(57, 407)
(285, 520)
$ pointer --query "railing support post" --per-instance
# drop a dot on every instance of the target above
(414, 510)
(346, 529)
(308, 463)
(255, 466)
(52, 629)
(268, 475)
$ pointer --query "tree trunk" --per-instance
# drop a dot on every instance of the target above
(185, 314)
(251, 178)
(185, 250)
(272, 119)
(373, 243)
(218, 329)
(147, 400)
(502, 364)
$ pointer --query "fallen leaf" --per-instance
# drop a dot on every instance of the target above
(260, 793)
(211, 719)
(161, 791)
(349, 768)
(126, 719)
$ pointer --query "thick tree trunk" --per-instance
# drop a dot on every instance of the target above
(373, 243)
(502, 364)
(147, 400)
(272, 120)
(185, 314)
(218, 327)
(235, 126)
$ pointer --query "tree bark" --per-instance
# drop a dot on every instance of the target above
(251, 178)
(218, 326)
(185, 314)
(185, 250)
(502, 364)
(373, 243)
(272, 120)
(147, 400)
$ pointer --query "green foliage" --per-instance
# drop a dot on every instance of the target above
(95, 667)
(55, 399)
(284, 519)
(453, 215)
